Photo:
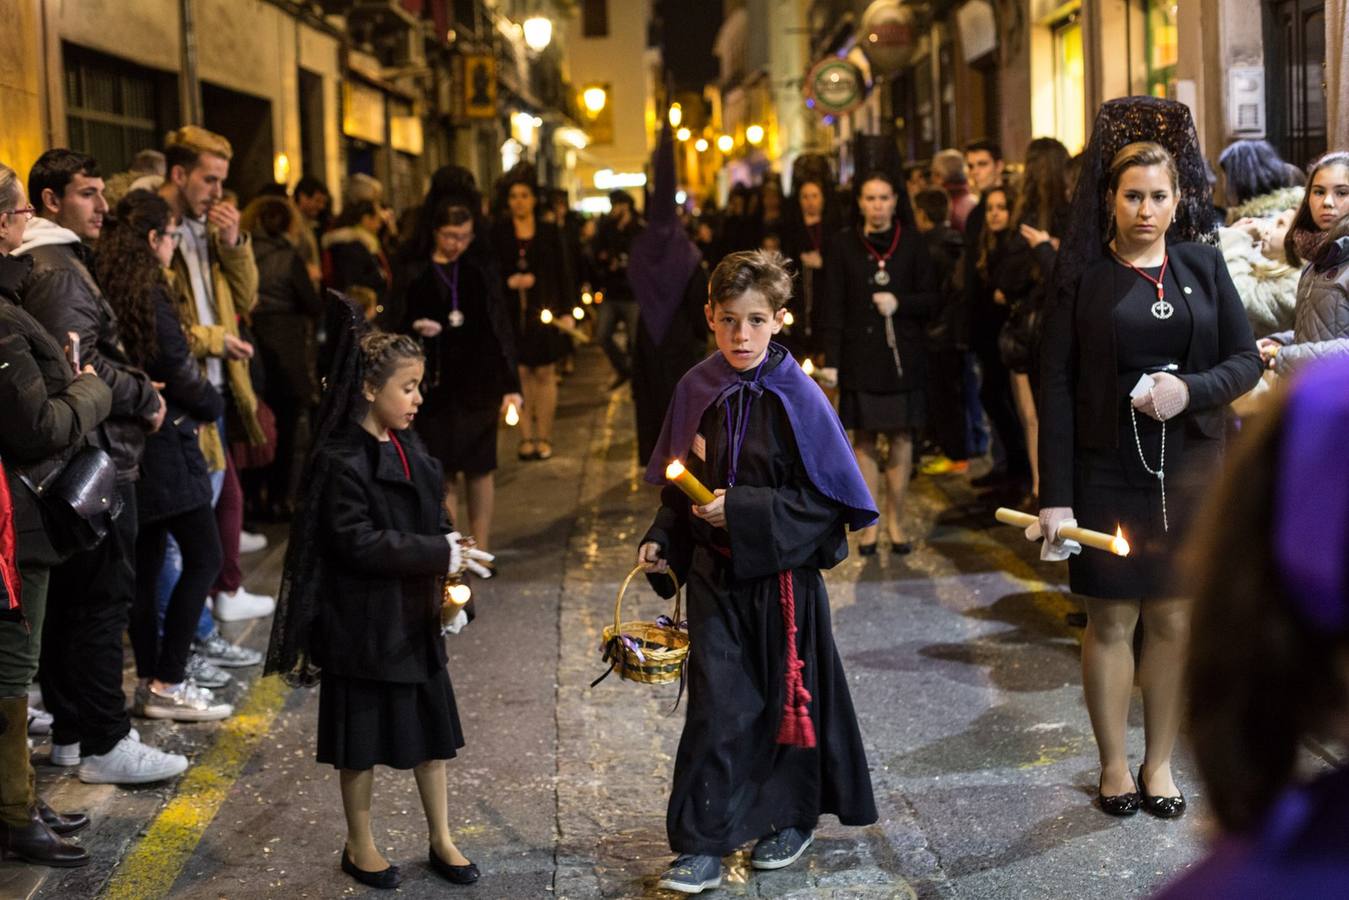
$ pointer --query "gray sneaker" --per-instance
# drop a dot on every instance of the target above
(777, 851)
(131, 762)
(692, 874)
(222, 653)
(200, 670)
(182, 703)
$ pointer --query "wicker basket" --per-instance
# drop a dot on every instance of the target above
(657, 651)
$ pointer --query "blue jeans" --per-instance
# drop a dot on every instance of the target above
(974, 410)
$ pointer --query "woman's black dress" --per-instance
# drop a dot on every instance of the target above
(537, 344)
(1112, 487)
(875, 393)
(808, 286)
(469, 368)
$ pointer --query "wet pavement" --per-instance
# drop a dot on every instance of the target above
(962, 665)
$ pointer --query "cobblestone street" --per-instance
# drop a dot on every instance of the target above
(962, 665)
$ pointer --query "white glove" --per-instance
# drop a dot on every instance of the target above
(886, 303)
(1167, 398)
(1054, 548)
(463, 555)
(828, 376)
(455, 625)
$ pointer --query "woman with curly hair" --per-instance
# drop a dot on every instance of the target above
(173, 495)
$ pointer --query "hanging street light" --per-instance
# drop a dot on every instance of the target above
(676, 115)
(725, 143)
(754, 134)
(701, 145)
(538, 33)
(594, 99)
(683, 134)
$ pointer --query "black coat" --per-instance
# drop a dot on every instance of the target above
(174, 477)
(852, 332)
(62, 295)
(284, 321)
(536, 344)
(1079, 374)
(46, 410)
(385, 556)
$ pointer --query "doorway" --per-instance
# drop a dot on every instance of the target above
(1295, 55)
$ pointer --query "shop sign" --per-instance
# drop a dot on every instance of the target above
(480, 86)
(888, 36)
(834, 87)
(362, 113)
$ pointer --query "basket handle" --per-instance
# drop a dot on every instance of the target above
(618, 603)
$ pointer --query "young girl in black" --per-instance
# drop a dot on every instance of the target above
(770, 740)
(378, 556)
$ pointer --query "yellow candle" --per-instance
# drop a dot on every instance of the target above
(683, 479)
(1097, 540)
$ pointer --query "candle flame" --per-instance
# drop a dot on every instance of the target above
(808, 367)
(578, 313)
(789, 320)
(460, 594)
(512, 415)
(587, 299)
(1119, 546)
(546, 316)
(674, 470)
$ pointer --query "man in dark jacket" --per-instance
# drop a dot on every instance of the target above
(612, 246)
(947, 341)
(91, 593)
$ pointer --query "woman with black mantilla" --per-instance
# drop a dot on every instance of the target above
(882, 290)
(1145, 343)
(537, 287)
(456, 306)
(770, 738)
(810, 223)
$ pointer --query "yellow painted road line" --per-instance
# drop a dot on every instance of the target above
(151, 868)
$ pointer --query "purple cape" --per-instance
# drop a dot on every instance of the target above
(820, 438)
(662, 258)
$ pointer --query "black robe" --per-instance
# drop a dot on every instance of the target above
(657, 368)
(733, 782)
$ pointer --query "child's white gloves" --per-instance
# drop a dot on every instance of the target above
(465, 555)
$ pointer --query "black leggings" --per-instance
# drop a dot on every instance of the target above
(165, 658)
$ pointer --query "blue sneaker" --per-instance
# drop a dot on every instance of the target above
(692, 874)
(777, 851)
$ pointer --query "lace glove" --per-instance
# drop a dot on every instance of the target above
(886, 303)
(464, 555)
(1167, 398)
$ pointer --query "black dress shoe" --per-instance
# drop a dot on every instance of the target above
(386, 879)
(1161, 807)
(453, 874)
(62, 824)
(866, 549)
(35, 842)
(1118, 804)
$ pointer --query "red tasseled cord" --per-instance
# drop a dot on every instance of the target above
(9, 547)
(797, 729)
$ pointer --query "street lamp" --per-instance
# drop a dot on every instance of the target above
(754, 134)
(701, 145)
(683, 134)
(676, 115)
(594, 99)
(538, 33)
(725, 143)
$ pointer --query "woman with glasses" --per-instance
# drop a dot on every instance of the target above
(455, 306)
(173, 495)
(48, 404)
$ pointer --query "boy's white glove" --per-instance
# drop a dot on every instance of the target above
(464, 555)
(455, 625)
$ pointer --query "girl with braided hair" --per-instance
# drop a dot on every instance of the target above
(1145, 342)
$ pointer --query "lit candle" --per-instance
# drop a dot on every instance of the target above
(458, 593)
(512, 415)
(578, 313)
(683, 479)
(1097, 540)
(808, 367)
(546, 317)
(788, 319)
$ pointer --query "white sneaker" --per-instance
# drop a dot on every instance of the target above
(39, 721)
(219, 652)
(131, 762)
(69, 754)
(185, 702)
(240, 604)
(252, 542)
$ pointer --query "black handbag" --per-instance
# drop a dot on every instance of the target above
(79, 501)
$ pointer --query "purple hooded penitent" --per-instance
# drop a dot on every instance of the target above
(663, 257)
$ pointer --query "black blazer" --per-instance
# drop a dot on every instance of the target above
(852, 332)
(1079, 378)
(385, 555)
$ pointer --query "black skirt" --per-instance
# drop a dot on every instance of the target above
(461, 435)
(1112, 489)
(886, 413)
(365, 723)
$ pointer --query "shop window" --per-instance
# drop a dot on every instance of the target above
(1070, 102)
(1162, 47)
(113, 108)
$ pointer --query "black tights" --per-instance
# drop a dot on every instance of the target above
(165, 658)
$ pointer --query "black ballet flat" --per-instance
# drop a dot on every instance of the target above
(385, 879)
(454, 874)
(902, 548)
(1118, 804)
(867, 549)
(1161, 807)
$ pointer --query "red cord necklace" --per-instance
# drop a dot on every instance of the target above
(1161, 309)
(882, 277)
